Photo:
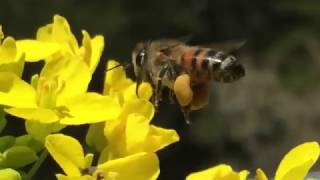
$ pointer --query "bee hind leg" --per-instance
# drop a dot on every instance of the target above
(183, 92)
(186, 114)
(157, 92)
(171, 97)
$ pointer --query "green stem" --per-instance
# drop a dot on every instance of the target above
(37, 164)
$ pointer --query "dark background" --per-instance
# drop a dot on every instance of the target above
(248, 124)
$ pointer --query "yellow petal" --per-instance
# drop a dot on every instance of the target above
(260, 175)
(115, 75)
(92, 49)
(67, 152)
(74, 73)
(97, 45)
(62, 33)
(297, 163)
(159, 138)
(36, 50)
(8, 51)
(138, 106)
(135, 167)
(15, 92)
(220, 172)
(85, 177)
(90, 108)
(86, 50)
(114, 132)
(144, 91)
(137, 130)
(44, 33)
(15, 67)
(41, 115)
(40, 130)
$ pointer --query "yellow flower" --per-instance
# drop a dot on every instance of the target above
(59, 33)
(297, 163)
(35, 50)
(58, 94)
(220, 172)
(122, 89)
(74, 163)
(131, 132)
(13, 53)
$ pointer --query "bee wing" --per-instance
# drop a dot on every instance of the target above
(226, 46)
(182, 39)
(167, 44)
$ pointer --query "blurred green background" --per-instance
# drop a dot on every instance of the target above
(248, 124)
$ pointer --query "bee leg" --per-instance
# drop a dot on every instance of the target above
(186, 114)
(139, 81)
(171, 97)
(142, 75)
(172, 76)
(182, 90)
(158, 85)
(201, 94)
(158, 93)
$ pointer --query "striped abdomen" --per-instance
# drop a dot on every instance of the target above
(201, 60)
(206, 63)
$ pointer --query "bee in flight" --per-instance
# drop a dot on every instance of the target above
(187, 71)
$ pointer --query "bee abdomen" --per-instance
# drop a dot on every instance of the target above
(189, 59)
(213, 60)
(202, 60)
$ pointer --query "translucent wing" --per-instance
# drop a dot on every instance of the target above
(226, 46)
(165, 45)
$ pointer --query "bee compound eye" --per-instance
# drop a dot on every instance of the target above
(140, 58)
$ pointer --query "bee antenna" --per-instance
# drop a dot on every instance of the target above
(124, 65)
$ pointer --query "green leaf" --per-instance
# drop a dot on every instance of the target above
(19, 156)
(6, 142)
(28, 140)
(34, 80)
(3, 121)
(9, 174)
(95, 136)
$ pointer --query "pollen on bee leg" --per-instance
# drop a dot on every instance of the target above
(182, 90)
(200, 96)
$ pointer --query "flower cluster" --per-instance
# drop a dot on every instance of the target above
(294, 166)
(121, 143)
(120, 133)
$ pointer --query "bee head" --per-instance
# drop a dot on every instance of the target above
(230, 70)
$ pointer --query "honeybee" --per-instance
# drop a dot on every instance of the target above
(187, 71)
